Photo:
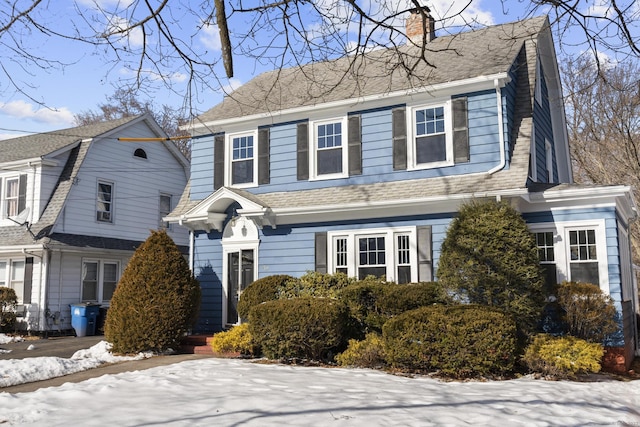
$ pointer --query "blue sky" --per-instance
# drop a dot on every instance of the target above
(50, 96)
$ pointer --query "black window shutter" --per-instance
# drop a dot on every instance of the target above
(263, 156)
(303, 151)
(399, 126)
(22, 193)
(321, 252)
(355, 145)
(28, 280)
(460, 131)
(425, 256)
(218, 161)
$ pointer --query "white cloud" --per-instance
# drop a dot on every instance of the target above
(210, 37)
(24, 110)
(232, 85)
(120, 27)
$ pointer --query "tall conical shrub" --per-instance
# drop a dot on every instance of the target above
(489, 257)
(156, 300)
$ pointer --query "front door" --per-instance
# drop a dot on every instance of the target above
(241, 268)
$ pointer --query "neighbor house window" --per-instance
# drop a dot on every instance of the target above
(329, 154)
(583, 263)
(104, 206)
(165, 210)
(547, 257)
(99, 280)
(12, 276)
(242, 159)
(391, 253)
(11, 196)
(431, 136)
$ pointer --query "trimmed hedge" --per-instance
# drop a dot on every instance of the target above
(307, 328)
(314, 284)
(262, 290)
(362, 299)
(563, 357)
(458, 341)
(400, 298)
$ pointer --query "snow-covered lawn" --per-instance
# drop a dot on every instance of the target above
(225, 392)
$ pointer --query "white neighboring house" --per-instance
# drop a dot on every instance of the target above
(74, 205)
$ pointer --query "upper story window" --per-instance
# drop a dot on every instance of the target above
(11, 196)
(242, 171)
(329, 152)
(164, 210)
(104, 203)
(431, 136)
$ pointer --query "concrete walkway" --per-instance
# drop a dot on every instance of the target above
(65, 347)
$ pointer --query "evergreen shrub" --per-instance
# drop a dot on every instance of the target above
(265, 289)
(238, 339)
(563, 357)
(8, 303)
(400, 298)
(156, 301)
(306, 328)
(458, 341)
(588, 313)
(489, 257)
(314, 284)
(362, 298)
(367, 353)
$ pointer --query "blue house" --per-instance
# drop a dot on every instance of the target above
(357, 165)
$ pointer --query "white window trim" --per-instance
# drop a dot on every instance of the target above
(533, 165)
(162, 224)
(391, 258)
(313, 148)
(411, 137)
(228, 170)
(562, 250)
(101, 262)
(111, 203)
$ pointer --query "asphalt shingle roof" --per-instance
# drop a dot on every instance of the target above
(449, 58)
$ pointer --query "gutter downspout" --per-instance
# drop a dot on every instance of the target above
(503, 155)
(191, 246)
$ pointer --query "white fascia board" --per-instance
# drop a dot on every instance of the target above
(373, 101)
(19, 249)
(620, 197)
(18, 165)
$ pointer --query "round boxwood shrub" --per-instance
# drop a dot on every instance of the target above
(8, 303)
(362, 299)
(458, 341)
(265, 289)
(588, 313)
(490, 257)
(156, 301)
(563, 357)
(305, 328)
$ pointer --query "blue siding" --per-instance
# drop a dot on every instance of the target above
(544, 129)
(208, 270)
(201, 167)
(508, 107)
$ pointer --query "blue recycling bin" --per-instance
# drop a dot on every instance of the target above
(84, 317)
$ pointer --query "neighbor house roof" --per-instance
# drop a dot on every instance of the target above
(39, 146)
(450, 58)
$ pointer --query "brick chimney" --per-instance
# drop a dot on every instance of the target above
(418, 23)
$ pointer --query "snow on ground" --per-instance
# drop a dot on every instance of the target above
(229, 392)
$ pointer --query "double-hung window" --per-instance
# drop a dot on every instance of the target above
(431, 136)
(12, 276)
(547, 257)
(164, 210)
(11, 196)
(329, 153)
(99, 280)
(243, 163)
(104, 204)
(583, 253)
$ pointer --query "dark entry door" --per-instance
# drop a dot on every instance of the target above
(241, 268)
